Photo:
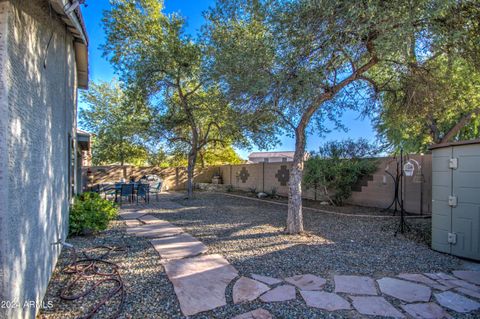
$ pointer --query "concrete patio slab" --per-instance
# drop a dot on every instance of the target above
(266, 280)
(456, 302)
(375, 306)
(280, 293)
(404, 290)
(200, 282)
(255, 314)
(155, 230)
(307, 282)
(324, 300)
(178, 246)
(468, 275)
(355, 285)
(426, 311)
(246, 289)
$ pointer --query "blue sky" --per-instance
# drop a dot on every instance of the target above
(101, 70)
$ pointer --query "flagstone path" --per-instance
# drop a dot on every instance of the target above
(200, 281)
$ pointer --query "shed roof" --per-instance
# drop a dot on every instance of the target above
(457, 143)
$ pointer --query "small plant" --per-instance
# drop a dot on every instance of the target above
(273, 192)
(229, 188)
(90, 213)
(253, 190)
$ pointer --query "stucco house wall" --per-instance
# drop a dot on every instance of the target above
(38, 96)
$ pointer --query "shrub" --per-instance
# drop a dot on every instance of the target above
(229, 188)
(90, 213)
(338, 166)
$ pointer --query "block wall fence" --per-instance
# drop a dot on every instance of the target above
(376, 190)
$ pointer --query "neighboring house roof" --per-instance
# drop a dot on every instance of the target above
(76, 25)
(288, 154)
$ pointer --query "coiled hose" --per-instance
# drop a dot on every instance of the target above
(89, 268)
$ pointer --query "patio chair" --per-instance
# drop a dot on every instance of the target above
(126, 191)
(111, 190)
(156, 189)
(143, 192)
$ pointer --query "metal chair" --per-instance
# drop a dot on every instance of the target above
(156, 189)
(126, 191)
(143, 192)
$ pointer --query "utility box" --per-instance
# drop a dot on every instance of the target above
(456, 198)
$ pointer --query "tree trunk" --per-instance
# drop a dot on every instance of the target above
(192, 158)
(295, 214)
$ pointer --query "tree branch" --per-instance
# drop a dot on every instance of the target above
(457, 127)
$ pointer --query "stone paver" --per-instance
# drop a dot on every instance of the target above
(324, 300)
(149, 219)
(246, 289)
(468, 292)
(267, 280)
(448, 284)
(155, 230)
(426, 311)
(200, 282)
(456, 302)
(418, 278)
(255, 314)
(464, 284)
(375, 306)
(424, 280)
(307, 282)
(468, 275)
(404, 290)
(179, 246)
(132, 223)
(130, 215)
(439, 275)
(355, 285)
(280, 293)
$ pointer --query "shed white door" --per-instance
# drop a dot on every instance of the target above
(456, 200)
(466, 214)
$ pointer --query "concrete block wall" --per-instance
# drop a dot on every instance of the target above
(376, 193)
(35, 125)
(174, 178)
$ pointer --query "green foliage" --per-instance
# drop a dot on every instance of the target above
(90, 213)
(338, 166)
(424, 104)
(118, 120)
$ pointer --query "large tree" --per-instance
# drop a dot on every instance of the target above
(118, 123)
(435, 102)
(151, 51)
(430, 90)
(308, 60)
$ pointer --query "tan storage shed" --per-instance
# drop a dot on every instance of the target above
(456, 198)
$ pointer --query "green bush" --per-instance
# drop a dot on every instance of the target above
(91, 213)
(338, 166)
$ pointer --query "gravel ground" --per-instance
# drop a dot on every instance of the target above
(346, 209)
(249, 234)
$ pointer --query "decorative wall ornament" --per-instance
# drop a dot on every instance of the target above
(283, 175)
(244, 174)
